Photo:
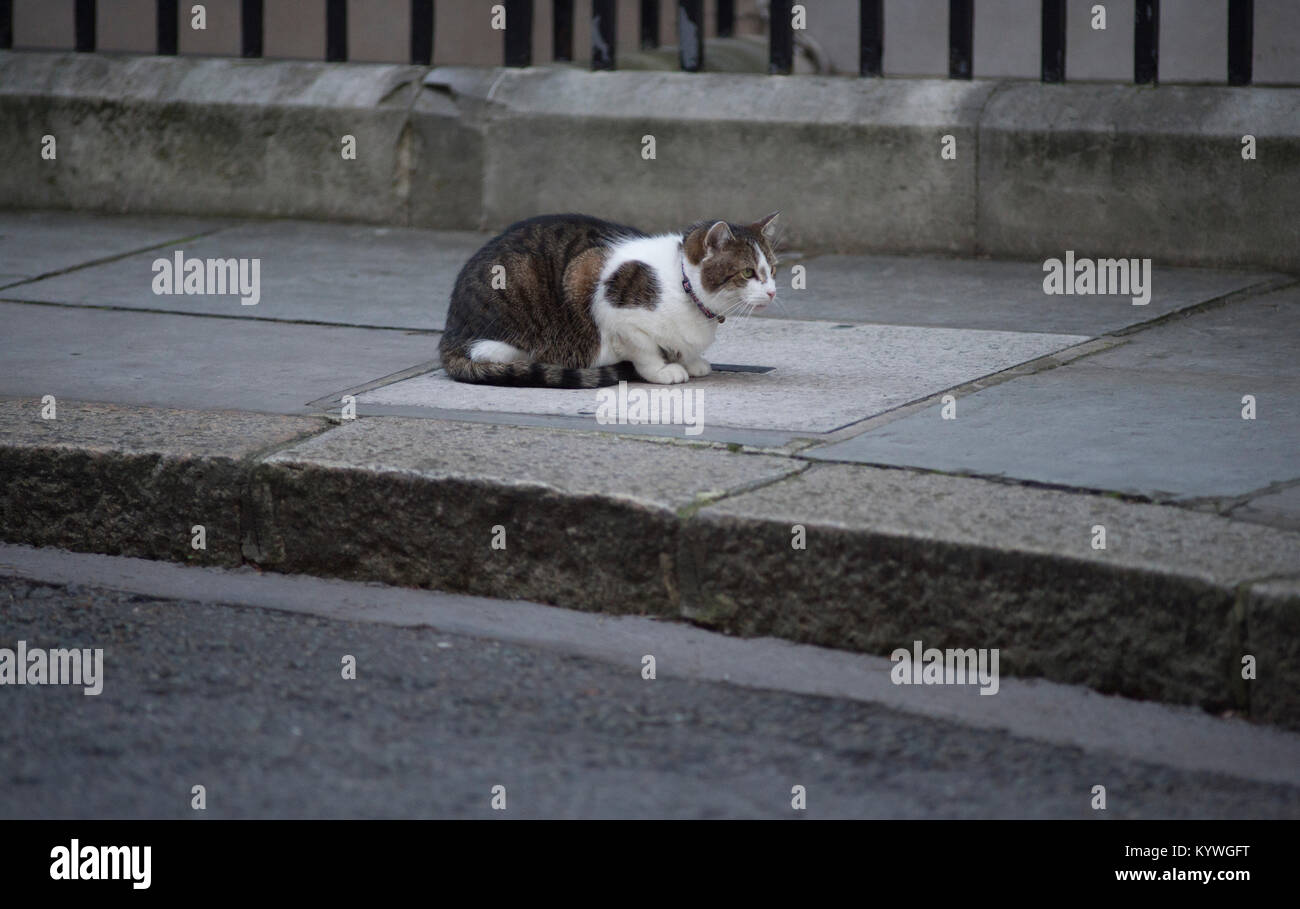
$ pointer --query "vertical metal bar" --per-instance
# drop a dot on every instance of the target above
(961, 29)
(562, 29)
(422, 32)
(6, 24)
(780, 43)
(250, 28)
(1241, 41)
(1053, 40)
(871, 37)
(649, 24)
(690, 35)
(168, 31)
(603, 34)
(1146, 41)
(336, 30)
(519, 33)
(726, 18)
(84, 17)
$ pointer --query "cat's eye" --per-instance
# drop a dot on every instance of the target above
(747, 273)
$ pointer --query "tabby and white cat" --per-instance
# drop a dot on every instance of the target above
(571, 301)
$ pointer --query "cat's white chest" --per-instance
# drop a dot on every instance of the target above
(674, 325)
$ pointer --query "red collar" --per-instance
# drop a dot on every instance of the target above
(690, 292)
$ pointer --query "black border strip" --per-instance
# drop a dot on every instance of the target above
(649, 24)
(562, 30)
(604, 34)
(961, 32)
(780, 45)
(1146, 42)
(336, 31)
(168, 34)
(250, 28)
(84, 22)
(871, 37)
(422, 32)
(1053, 41)
(1241, 42)
(518, 42)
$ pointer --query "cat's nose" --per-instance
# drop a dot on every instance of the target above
(771, 295)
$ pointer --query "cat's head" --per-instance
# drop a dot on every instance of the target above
(736, 262)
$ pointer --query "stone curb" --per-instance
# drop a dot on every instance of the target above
(892, 556)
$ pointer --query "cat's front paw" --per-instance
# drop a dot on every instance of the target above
(699, 367)
(668, 374)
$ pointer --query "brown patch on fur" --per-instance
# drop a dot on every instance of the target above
(581, 277)
(633, 284)
(726, 263)
(694, 244)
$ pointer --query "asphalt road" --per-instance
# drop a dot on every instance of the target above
(251, 704)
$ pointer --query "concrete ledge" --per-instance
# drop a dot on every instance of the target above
(1118, 170)
(696, 532)
(216, 136)
(853, 163)
(856, 164)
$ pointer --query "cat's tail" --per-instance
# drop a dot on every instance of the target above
(535, 375)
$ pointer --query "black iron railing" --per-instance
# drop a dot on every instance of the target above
(518, 35)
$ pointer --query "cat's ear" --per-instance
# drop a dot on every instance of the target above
(767, 225)
(718, 234)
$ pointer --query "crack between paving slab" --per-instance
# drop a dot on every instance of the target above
(253, 550)
(1226, 505)
(1267, 286)
(411, 372)
(260, 454)
(704, 500)
(108, 307)
(106, 259)
(1268, 579)
(1132, 498)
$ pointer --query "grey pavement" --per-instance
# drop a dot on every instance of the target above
(232, 680)
(860, 357)
(39, 243)
(386, 277)
(1159, 417)
(200, 363)
(983, 293)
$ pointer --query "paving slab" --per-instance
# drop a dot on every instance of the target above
(1160, 416)
(823, 376)
(34, 243)
(345, 274)
(660, 475)
(129, 430)
(188, 362)
(983, 293)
